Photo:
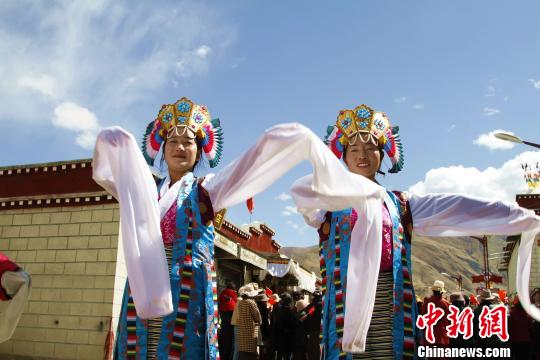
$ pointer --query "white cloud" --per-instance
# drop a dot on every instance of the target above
(300, 229)
(193, 62)
(289, 210)
(283, 197)
(78, 119)
(400, 100)
(490, 111)
(418, 106)
(106, 54)
(203, 51)
(501, 183)
(536, 83)
(492, 143)
(45, 84)
(491, 91)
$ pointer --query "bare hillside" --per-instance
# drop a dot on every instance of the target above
(431, 257)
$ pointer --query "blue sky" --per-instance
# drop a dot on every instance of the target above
(445, 72)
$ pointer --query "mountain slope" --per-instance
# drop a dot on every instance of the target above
(430, 257)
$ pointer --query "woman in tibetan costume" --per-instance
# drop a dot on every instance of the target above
(365, 251)
(179, 226)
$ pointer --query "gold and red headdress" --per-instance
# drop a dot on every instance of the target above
(180, 118)
(368, 125)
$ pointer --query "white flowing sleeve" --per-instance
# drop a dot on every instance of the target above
(119, 167)
(277, 151)
(458, 215)
(331, 187)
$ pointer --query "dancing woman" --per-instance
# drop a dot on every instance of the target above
(365, 250)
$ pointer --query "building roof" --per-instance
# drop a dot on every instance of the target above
(63, 183)
(528, 201)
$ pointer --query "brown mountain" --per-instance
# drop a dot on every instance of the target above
(431, 257)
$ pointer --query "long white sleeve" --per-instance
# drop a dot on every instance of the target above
(458, 215)
(119, 167)
(331, 187)
(277, 151)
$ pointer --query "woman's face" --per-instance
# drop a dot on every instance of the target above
(363, 159)
(181, 153)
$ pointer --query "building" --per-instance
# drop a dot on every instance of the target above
(508, 262)
(59, 225)
(241, 255)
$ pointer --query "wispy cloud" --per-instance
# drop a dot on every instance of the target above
(193, 62)
(283, 197)
(536, 83)
(418, 106)
(300, 229)
(492, 88)
(490, 111)
(491, 142)
(400, 100)
(42, 83)
(289, 210)
(451, 128)
(78, 119)
(105, 54)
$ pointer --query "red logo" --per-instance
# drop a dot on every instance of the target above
(429, 320)
(494, 322)
(460, 323)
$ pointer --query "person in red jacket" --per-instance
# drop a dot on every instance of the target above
(226, 304)
(439, 330)
(14, 292)
(519, 329)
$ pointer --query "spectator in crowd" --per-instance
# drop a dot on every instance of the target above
(283, 326)
(485, 298)
(264, 333)
(441, 336)
(519, 330)
(297, 296)
(14, 292)
(226, 304)
(535, 299)
(314, 326)
(458, 300)
(301, 330)
(248, 323)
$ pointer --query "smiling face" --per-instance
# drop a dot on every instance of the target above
(363, 159)
(180, 153)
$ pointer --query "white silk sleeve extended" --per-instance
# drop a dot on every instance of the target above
(331, 187)
(459, 215)
(119, 167)
(277, 151)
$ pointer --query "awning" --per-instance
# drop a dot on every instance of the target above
(306, 279)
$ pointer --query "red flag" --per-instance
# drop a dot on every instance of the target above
(250, 205)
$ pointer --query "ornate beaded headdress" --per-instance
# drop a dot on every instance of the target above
(178, 119)
(368, 125)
